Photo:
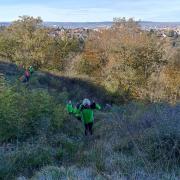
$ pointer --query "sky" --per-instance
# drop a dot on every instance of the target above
(91, 10)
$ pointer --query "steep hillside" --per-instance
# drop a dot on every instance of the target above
(39, 140)
(79, 88)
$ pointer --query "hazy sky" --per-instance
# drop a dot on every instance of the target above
(91, 10)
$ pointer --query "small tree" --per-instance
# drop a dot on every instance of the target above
(25, 42)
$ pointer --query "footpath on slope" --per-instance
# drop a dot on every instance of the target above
(51, 82)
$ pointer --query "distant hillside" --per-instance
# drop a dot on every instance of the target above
(91, 25)
(5, 23)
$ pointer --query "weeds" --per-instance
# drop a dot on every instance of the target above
(26, 159)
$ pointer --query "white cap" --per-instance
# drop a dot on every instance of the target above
(86, 102)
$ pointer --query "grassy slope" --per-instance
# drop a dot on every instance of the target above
(125, 143)
(78, 88)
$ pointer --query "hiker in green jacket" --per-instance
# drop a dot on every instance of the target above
(77, 111)
(31, 69)
(69, 107)
(88, 115)
(95, 105)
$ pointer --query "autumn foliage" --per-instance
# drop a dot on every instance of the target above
(130, 62)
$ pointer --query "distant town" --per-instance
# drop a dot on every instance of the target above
(80, 30)
(92, 25)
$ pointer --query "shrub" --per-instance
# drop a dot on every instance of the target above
(50, 173)
(60, 153)
(57, 173)
(151, 133)
(162, 144)
(25, 113)
(69, 149)
(24, 160)
(58, 117)
(11, 115)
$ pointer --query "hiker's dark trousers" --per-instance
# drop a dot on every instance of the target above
(88, 128)
(27, 78)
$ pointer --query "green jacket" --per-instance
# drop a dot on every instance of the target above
(87, 116)
(98, 107)
(77, 112)
(69, 108)
(31, 69)
(88, 113)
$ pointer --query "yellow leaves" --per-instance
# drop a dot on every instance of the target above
(91, 56)
(132, 56)
(172, 77)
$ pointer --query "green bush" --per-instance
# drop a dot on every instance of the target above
(63, 96)
(12, 114)
(24, 113)
(66, 148)
(59, 154)
(58, 117)
(70, 147)
(24, 160)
